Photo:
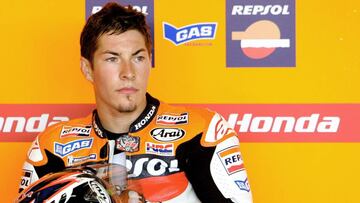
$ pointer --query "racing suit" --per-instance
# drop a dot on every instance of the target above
(172, 154)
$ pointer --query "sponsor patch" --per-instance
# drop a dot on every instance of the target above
(74, 160)
(128, 143)
(231, 160)
(260, 33)
(81, 131)
(146, 119)
(243, 185)
(167, 119)
(189, 33)
(159, 149)
(217, 129)
(26, 178)
(70, 147)
(146, 165)
(167, 134)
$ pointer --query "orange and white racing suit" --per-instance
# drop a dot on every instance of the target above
(172, 154)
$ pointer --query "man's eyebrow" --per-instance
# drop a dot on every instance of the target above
(138, 51)
(110, 52)
(117, 54)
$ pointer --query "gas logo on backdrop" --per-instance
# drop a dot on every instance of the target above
(144, 6)
(260, 33)
(189, 33)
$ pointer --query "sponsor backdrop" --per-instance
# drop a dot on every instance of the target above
(284, 73)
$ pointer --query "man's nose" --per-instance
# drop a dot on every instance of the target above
(127, 71)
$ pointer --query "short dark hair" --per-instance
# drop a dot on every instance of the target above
(113, 19)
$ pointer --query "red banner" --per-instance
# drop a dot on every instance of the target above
(252, 122)
(22, 122)
(292, 122)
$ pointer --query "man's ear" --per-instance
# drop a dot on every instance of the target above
(86, 69)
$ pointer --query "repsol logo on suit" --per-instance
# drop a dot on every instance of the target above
(167, 134)
(148, 165)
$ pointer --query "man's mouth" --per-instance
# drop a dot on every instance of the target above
(127, 90)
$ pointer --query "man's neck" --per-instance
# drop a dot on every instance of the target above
(118, 122)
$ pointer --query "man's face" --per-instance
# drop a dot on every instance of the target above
(120, 71)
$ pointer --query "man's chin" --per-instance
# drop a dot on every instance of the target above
(126, 103)
(127, 108)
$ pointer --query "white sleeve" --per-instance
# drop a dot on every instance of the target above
(228, 171)
(29, 174)
(28, 177)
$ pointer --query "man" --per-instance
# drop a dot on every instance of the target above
(172, 154)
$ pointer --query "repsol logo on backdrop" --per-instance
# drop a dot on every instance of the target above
(260, 10)
(142, 9)
(167, 134)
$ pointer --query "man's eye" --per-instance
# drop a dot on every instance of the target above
(139, 58)
(111, 59)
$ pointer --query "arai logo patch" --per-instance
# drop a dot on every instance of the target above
(167, 134)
